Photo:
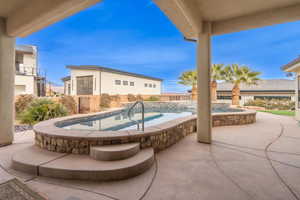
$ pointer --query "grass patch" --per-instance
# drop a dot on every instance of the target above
(280, 112)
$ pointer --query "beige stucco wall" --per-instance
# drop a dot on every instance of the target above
(108, 85)
(26, 82)
(104, 82)
(66, 84)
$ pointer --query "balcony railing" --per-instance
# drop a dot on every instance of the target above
(26, 70)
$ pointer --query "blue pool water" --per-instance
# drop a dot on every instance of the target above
(122, 122)
(153, 115)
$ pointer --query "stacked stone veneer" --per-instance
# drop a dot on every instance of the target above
(49, 136)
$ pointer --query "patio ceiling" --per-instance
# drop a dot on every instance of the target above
(228, 16)
(24, 17)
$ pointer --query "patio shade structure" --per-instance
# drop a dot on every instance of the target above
(199, 20)
(19, 18)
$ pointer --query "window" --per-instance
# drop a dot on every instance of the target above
(117, 82)
(131, 83)
(84, 85)
(224, 97)
(150, 85)
(146, 85)
(154, 86)
(125, 82)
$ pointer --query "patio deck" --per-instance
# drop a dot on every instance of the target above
(257, 161)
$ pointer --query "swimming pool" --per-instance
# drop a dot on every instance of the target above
(165, 124)
(154, 115)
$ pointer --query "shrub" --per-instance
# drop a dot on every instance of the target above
(42, 109)
(153, 98)
(139, 97)
(105, 101)
(273, 104)
(69, 103)
(131, 98)
(22, 102)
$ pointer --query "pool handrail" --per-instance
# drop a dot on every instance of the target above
(143, 115)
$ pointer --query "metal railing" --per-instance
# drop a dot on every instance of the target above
(26, 70)
(143, 115)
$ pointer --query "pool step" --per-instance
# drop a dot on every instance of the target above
(80, 167)
(114, 152)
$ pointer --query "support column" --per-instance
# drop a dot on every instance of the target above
(204, 121)
(7, 85)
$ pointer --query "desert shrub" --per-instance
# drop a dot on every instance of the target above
(139, 97)
(69, 103)
(273, 104)
(22, 102)
(131, 97)
(116, 98)
(42, 109)
(105, 101)
(153, 98)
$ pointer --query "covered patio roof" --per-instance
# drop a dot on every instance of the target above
(199, 20)
(228, 16)
(24, 17)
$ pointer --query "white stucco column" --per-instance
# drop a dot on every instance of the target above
(7, 85)
(204, 100)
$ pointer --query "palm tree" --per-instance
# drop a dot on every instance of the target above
(216, 74)
(189, 78)
(236, 75)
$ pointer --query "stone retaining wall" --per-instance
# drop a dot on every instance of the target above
(49, 136)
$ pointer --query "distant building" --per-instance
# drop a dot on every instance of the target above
(294, 67)
(265, 89)
(27, 79)
(96, 80)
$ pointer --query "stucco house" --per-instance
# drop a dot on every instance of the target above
(265, 89)
(27, 79)
(97, 80)
(294, 67)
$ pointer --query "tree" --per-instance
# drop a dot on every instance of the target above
(236, 75)
(216, 74)
(189, 78)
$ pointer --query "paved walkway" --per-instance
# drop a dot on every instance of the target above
(258, 161)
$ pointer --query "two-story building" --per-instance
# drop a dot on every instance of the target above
(27, 79)
(97, 80)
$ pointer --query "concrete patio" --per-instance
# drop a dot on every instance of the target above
(258, 161)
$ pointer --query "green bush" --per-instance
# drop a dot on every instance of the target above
(42, 109)
(22, 102)
(105, 101)
(272, 104)
(69, 103)
(153, 98)
(131, 98)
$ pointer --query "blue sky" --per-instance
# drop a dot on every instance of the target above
(135, 36)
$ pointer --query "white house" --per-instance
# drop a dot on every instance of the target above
(27, 79)
(97, 80)
(294, 67)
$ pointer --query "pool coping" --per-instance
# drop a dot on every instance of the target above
(50, 128)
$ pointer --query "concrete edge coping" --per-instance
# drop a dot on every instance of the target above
(49, 128)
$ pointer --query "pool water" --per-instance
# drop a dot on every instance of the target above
(121, 121)
(154, 115)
